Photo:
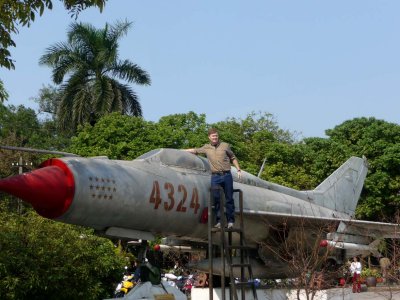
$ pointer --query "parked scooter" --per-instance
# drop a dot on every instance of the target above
(187, 287)
(127, 283)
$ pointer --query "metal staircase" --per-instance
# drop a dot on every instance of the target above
(235, 255)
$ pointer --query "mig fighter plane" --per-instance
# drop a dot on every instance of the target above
(165, 192)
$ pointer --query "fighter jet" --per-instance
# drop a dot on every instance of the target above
(165, 192)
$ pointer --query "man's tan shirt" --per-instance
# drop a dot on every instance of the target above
(220, 156)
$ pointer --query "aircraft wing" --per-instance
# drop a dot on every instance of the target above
(376, 230)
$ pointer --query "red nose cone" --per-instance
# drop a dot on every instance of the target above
(50, 189)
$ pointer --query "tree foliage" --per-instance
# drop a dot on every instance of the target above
(20, 122)
(43, 259)
(21, 127)
(124, 137)
(378, 140)
(116, 136)
(181, 131)
(48, 99)
(254, 138)
(258, 137)
(90, 59)
(249, 137)
(22, 13)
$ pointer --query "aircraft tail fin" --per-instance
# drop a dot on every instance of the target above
(342, 189)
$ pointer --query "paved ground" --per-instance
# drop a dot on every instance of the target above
(380, 292)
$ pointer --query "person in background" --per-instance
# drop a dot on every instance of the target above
(136, 275)
(220, 157)
(355, 270)
(384, 263)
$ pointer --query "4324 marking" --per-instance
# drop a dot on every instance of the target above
(182, 196)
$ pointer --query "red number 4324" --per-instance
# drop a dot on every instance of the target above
(182, 195)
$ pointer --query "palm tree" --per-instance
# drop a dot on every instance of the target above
(90, 58)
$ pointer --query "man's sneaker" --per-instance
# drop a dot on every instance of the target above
(218, 225)
(230, 225)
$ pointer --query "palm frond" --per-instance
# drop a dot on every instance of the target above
(53, 54)
(118, 104)
(103, 95)
(130, 72)
(129, 100)
(74, 93)
(64, 111)
(118, 30)
(80, 32)
(82, 106)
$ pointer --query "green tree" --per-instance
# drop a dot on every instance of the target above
(378, 140)
(181, 131)
(43, 259)
(17, 126)
(325, 155)
(251, 138)
(287, 164)
(116, 136)
(21, 127)
(48, 98)
(23, 13)
(125, 137)
(51, 137)
(90, 57)
(20, 122)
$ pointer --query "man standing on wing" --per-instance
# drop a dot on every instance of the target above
(220, 157)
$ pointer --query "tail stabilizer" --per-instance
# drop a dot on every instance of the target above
(342, 189)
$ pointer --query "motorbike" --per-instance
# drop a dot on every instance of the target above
(187, 286)
(124, 286)
(182, 283)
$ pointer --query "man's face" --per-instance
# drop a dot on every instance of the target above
(213, 137)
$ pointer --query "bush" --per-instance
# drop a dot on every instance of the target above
(370, 272)
(43, 259)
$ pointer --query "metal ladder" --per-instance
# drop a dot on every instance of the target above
(226, 249)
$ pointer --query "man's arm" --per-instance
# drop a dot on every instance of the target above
(234, 161)
(196, 151)
(236, 164)
(192, 150)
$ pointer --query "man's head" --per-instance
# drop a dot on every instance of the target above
(213, 136)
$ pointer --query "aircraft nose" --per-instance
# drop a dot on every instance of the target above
(49, 189)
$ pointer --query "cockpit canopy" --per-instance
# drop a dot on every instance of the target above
(177, 158)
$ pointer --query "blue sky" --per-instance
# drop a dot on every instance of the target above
(312, 64)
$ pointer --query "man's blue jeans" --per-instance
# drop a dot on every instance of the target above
(226, 182)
